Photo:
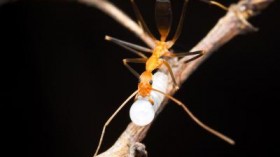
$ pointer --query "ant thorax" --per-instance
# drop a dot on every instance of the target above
(160, 48)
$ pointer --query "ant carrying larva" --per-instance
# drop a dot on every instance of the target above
(151, 88)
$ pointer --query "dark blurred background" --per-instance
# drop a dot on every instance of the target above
(61, 81)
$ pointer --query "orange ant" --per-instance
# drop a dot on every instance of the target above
(159, 55)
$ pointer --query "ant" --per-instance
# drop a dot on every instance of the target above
(142, 111)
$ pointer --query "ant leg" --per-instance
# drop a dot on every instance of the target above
(196, 120)
(216, 4)
(129, 46)
(171, 73)
(134, 46)
(194, 58)
(133, 60)
(197, 53)
(183, 54)
(110, 119)
(141, 20)
(179, 27)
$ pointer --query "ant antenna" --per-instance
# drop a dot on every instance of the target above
(110, 119)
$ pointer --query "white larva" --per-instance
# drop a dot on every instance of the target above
(142, 112)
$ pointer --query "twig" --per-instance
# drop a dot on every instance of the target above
(229, 26)
(2, 2)
(120, 17)
(138, 150)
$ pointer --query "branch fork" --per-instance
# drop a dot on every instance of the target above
(232, 24)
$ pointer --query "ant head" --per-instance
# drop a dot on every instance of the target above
(145, 84)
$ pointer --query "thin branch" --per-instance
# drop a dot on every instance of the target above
(229, 26)
(232, 24)
(111, 10)
(138, 150)
(2, 2)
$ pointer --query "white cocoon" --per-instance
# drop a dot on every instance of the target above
(142, 112)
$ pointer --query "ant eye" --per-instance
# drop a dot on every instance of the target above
(151, 82)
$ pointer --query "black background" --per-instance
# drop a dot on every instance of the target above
(61, 81)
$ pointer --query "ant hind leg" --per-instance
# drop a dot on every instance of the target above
(196, 54)
(136, 49)
(217, 4)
